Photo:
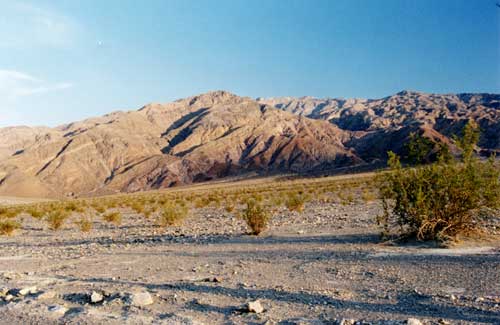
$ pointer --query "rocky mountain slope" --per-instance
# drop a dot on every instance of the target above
(219, 134)
(194, 139)
(378, 125)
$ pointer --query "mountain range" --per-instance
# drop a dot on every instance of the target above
(219, 134)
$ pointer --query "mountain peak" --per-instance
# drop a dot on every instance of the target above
(407, 92)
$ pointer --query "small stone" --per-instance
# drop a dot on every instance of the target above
(58, 310)
(141, 299)
(28, 290)
(3, 291)
(96, 297)
(413, 321)
(443, 322)
(8, 298)
(300, 232)
(46, 295)
(254, 307)
(345, 321)
(479, 299)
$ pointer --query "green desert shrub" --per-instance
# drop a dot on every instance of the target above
(172, 214)
(113, 217)
(442, 200)
(256, 216)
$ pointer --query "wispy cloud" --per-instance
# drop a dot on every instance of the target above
(15, 84)
(25, 25)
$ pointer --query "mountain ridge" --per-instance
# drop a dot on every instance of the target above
(219, 134)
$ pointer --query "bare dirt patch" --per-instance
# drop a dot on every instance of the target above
(318, 267)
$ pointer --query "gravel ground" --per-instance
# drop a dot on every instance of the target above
(324, 266)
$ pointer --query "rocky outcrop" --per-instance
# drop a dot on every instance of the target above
(378, 125)
(195, 139)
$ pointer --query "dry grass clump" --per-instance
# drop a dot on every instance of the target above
(84, 224)
(56, 218)
(99, 208)
(346, 197)
(368, 195)
(9, 212)
(256, 216)
(201, 202)
(440, 201)
(7, 227)
(35, 211)
(113, 217)
(137, 206)
(296, 201)
(229, 206)
(172, 214)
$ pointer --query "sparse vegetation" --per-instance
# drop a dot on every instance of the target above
(256, 216)
(171, 207)
(439, 201)
(172, 214)
(113, 217)
(56, 218)
(296, 201)
(84, 224)
(7, 227)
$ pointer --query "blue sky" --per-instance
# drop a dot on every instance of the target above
(66, 60)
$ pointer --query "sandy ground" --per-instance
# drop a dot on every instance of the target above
(324, 266)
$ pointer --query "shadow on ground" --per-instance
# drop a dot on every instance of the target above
(408, 303)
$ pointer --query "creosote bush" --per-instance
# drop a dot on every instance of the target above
(7, 227)
(256, 216)
(442, 200)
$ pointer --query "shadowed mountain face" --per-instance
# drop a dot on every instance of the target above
(379, 125)
(219, 134)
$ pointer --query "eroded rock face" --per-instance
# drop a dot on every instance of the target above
(194, 139)
(219, 134)
(379, 125)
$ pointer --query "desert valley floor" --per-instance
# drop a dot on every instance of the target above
(323, 266)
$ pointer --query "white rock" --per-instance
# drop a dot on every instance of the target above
(96, 297)
(254, 307)
(8, 298)
(28, 290)
(47, 295)
(141, 299)
(413, 321)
